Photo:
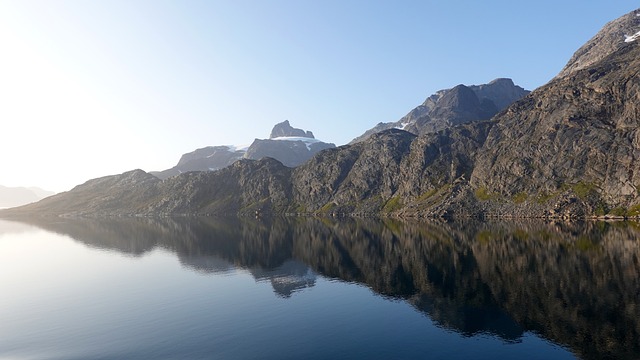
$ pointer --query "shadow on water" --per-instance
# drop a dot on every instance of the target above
(576, 284)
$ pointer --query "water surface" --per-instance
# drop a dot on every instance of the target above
(226, 288)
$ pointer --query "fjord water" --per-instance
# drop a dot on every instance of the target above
(227, 288)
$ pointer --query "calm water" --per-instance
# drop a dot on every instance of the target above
(317, 289)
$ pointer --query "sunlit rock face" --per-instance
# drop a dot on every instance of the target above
(459, 105)
(613, 36)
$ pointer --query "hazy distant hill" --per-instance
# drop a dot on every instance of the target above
(289, 145)
(16, 196)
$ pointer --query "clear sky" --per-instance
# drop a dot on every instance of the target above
(94, 88)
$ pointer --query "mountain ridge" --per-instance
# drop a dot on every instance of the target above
(457, 105)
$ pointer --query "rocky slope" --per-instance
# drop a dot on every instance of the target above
(243, 187)
(459, 105)
(289, 145)
(205, 159)
(574, 141)
(604, 43)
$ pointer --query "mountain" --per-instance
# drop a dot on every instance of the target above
(571, 148)
(604, 43)
(204, 159)
(458, 105)
(289, 145)
(284, 129)
(16, 196)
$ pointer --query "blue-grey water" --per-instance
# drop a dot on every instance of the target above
(306, 288)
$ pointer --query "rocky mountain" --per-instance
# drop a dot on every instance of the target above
(284, 129)
(16, 196)
(289, 145)
(459, 105)
(605, 42)
(571, 148)
(204, 159)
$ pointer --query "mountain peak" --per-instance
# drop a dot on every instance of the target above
(285, 129)
(614, 35)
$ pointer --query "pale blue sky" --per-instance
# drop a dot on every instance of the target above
(93, 88)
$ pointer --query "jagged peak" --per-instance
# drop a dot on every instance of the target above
(285, 129)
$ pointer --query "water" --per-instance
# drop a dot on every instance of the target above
(317, 289)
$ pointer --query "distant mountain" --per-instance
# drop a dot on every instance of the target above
(459, 105)
(204, 159)
(289, 145)
(284, 129)
(16, 196)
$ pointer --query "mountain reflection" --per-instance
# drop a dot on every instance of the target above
(576, 284)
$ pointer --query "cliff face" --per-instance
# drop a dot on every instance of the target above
(576, 139)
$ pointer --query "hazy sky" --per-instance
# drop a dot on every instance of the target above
(93, 88)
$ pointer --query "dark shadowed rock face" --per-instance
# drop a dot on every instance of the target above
(285, 129)
(604, 43)
(459, 105)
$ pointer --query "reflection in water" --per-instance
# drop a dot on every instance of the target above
(576, 284)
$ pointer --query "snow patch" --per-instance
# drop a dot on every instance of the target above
(307, 141)
(235, 148)
(403, 125)
(632, 38)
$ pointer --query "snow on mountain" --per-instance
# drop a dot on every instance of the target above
(236, 148)
(307, 141)
(632, 38)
